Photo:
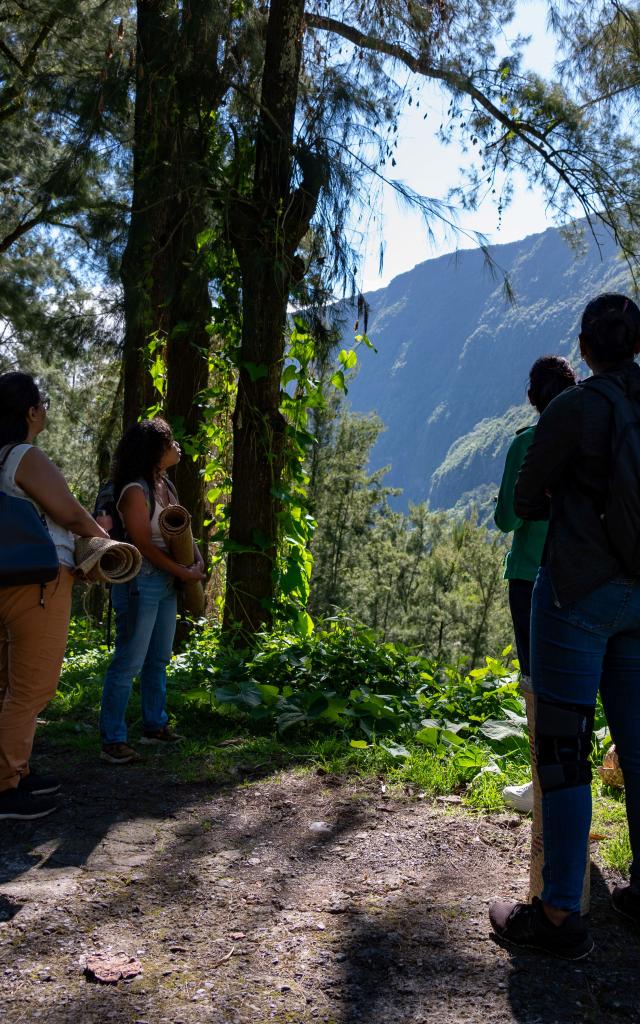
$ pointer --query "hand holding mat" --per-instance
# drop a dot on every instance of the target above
(175, 526)
(102, 560)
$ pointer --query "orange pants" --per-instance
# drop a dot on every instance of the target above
(32, 645)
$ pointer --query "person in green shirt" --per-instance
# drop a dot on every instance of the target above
(548, 377)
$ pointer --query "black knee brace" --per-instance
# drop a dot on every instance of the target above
(563, 744)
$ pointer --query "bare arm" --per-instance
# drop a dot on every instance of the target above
(42, 481)
(135, 513)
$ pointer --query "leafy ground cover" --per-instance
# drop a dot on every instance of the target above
(341, 702)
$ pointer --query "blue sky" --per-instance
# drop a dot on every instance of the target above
(429, 167)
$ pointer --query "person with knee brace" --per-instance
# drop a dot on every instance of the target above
(548, 377)
(582, 473)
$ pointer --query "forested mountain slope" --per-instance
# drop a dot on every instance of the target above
(449, 378)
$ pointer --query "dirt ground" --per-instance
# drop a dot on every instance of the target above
(297, 898)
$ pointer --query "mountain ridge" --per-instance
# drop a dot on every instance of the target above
(449, 379)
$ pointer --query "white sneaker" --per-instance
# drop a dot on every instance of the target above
(519, 797)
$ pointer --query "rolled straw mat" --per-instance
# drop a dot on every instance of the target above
(107, 561)
(175, 526)
(610, 771)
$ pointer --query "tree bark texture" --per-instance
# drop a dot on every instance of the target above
(266, 230)
(165, 280)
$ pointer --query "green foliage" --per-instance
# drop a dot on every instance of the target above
(341, 680)
(65, 100)
(429, 580)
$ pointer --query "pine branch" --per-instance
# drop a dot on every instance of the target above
(533, 137)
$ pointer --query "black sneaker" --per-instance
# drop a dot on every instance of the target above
(15, 803)
(626, 902)
(38, 785)
(526, 924)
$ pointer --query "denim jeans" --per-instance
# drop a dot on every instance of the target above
(591, 644)
(145, 627)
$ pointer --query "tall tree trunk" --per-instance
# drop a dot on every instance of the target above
(164, 278)
(266, 231)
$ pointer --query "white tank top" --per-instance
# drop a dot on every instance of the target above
(156, 536)
(61, 537)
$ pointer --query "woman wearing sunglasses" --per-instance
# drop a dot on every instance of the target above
(34, 621)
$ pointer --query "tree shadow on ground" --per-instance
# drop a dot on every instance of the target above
(332, 908)
(94, 798)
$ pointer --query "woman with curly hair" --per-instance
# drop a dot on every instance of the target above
(146, 607)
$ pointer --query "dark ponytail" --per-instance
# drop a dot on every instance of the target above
(610, 329)
(18, 393)
(548, 377)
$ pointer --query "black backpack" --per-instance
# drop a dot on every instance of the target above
(105, 505)
(622, 508)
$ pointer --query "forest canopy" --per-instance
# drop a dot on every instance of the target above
(177, 178)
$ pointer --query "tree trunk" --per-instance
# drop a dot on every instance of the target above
(265, 241)
(165, 279)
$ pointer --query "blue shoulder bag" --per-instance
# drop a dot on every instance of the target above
(27, 552)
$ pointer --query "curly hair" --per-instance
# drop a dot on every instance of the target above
(18, 393)
(139, 452)
(548, 377)
(610, 328)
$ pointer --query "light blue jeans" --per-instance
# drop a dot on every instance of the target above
(592, 644)
(145, 627)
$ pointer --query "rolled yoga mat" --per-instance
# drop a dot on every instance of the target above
(175, 526)
(103, 560)
(536, 882)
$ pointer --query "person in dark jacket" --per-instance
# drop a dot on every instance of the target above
(585, 631)
(548, 377)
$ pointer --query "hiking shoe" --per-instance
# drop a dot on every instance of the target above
(38, 785)
(119, 753)
(15, 803)
(519, 797)
(526, 924)
(626, 902)
(161, 737)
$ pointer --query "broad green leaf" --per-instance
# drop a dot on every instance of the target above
(348, 358)
(495, 729)
(290, 373)
(395, 749)
(429, 737)
(255, 370)
(359, 744)
(304, 624)
(270, 694)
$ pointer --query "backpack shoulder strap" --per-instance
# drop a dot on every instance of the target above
(7, 452)
(172, 490)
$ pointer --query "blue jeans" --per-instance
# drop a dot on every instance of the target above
(145, 627)
(591, 644)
